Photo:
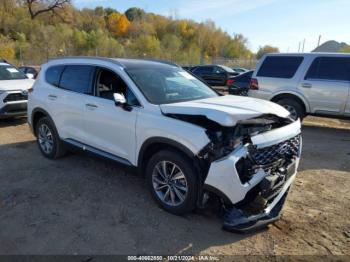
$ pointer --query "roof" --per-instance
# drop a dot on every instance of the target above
(310, 54)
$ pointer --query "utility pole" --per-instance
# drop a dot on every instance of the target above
(303, 45)
(299, 47)
(319, 41)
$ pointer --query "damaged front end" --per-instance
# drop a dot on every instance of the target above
(250, 166)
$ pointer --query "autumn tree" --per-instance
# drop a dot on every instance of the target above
(122, 25)
(118, 24)
(33, 31)
(265, 50)
(7, 50)
(112, 21)
(37, 7)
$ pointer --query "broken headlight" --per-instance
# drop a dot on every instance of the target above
(219, 149)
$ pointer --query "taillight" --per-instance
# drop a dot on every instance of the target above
(254, 85)
(230, 82)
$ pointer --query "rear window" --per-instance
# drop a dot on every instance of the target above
(77, 78)
(330, 68)
(280, 66)
(53, 75)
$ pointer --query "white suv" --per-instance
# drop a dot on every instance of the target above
(190, 143)
(310, 83)
(14, 87)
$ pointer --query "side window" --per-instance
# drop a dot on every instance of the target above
(330, 68)
(218, 70)
(204, 70)
(108, 83)
(53, 75)
(280, 66)
(77, 78)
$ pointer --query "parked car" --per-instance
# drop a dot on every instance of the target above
(240, 70)
(305, 83)
(189, 142)
(239, 85)
(14, 87)
(215, 75)
(33, 70)
(188, 68)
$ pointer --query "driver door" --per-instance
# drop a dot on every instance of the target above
(108, 127)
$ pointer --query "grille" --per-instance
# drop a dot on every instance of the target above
(15, 97)
(268, 155)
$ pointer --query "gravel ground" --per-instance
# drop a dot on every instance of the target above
(83, 205)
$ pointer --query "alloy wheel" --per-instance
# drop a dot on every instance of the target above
(293, 112)
(169, 183)
(45, 138)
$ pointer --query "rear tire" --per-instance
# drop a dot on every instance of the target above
(175, 186)
(49, 142)
(294, 107)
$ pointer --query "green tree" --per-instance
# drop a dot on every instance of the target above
(146, 46)
(134, 14)
(345, 49)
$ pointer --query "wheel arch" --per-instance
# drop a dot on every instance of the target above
(38, 113)
(155, 144)
(292, 95)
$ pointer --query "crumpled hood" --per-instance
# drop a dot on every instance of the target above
(20, 84)
(226, 110)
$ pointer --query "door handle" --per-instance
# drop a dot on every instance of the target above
(306, 85)
(52, 97)
(92, 106)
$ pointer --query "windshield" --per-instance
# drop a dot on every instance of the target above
(8, 72)
(164, 85)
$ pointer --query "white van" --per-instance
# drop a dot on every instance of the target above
(305, 83)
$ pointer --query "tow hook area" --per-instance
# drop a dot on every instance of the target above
(241, 221)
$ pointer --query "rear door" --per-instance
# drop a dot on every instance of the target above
(326, 85)
(66, 99)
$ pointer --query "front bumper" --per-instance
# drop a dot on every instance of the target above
(238, 221)
(13, 103)
(267, 183)
(13, 109)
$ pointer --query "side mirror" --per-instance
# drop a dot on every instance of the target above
(119, 99)
(30, 76)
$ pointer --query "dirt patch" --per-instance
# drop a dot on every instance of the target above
(82, 205)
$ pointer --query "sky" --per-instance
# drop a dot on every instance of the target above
(280, 23)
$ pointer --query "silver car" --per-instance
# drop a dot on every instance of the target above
(305, 83)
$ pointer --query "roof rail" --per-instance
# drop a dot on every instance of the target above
(113, 60)
(162, 61)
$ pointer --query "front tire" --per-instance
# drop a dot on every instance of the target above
(294, 107)
(172, 181)
(48, 140)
